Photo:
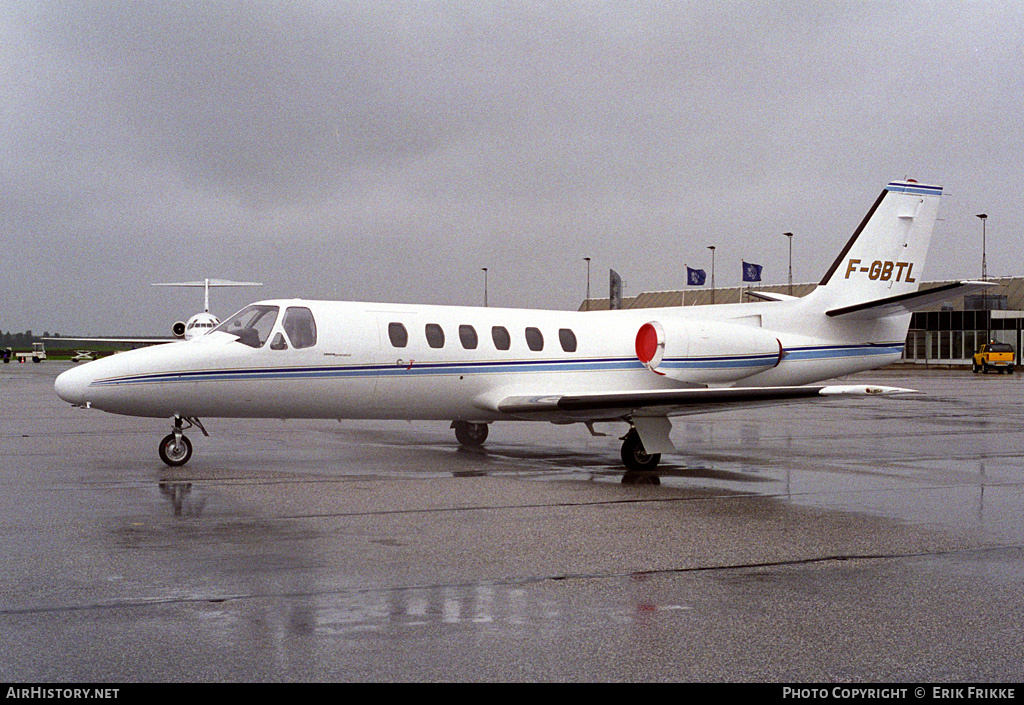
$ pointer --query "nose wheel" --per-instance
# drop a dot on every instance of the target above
(175, 449)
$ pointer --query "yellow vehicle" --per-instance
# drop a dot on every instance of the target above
(993, 356)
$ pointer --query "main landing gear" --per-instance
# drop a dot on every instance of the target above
(639, 463)
(175, 449)
(634, 457)
(470, 434)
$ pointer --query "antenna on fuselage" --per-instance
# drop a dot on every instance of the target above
(206, 284)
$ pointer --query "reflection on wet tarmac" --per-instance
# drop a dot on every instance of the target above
(179, 494)
(505, 609)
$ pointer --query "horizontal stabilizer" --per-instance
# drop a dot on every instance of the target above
(913, 301)
(669, 402)
(210, 283)
(770, 296)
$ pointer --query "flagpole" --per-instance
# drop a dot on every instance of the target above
(789, 236)
(712, 248)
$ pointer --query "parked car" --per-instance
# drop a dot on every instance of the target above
(994, 356)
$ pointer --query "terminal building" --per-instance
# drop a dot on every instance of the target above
(946, 334)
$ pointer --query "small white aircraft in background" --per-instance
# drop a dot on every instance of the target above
(199, 324)
(474, 366)
(204, 322)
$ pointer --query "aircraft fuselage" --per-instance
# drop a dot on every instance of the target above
(355, 369)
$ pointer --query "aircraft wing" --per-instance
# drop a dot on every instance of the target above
(908, 303)
(649, 411)
(670, 402)
(128, 341)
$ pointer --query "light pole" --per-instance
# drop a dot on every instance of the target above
(984, 264)
(712, 248)
(984, 277)
(485, 285)
(586, 303)
(789, 236)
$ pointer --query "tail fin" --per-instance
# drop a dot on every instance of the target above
(886, 255)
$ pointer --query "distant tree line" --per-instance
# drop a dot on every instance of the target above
(20, 340)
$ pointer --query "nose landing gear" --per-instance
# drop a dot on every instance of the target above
(175, 449)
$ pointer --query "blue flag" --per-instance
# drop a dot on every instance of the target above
(695, 277)
(751, 272)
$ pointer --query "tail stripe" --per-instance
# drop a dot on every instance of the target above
(914, 188)
(853, 239)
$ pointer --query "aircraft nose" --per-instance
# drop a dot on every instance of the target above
(71, 385)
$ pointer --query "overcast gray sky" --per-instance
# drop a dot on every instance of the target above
(387, 151)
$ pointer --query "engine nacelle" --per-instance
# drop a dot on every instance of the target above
(178, 329)
(706, 353)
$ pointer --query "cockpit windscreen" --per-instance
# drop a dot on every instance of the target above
(252, 324)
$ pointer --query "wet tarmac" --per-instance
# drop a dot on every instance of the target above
(843, 540)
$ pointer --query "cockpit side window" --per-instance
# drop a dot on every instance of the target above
(278, 343)
(300, 326)
(252, 324)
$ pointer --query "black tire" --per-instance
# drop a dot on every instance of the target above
(634, 457)
(470, 434)
(172, 456)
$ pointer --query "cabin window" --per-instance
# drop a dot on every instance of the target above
(252, 325)
(568, 339)
(300, 326)
(435, 335)
(534, 339)
(468, 337)
(502, 340)
(398, 334)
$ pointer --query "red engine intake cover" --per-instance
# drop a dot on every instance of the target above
(646, 343)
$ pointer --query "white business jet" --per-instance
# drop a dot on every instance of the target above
(203, 322)
(474, 366)
(199, 324)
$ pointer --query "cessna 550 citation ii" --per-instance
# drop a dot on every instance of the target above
(473, 366)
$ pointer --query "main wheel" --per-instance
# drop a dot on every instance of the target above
(470, 434)
(634, 457)
(175, 453)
